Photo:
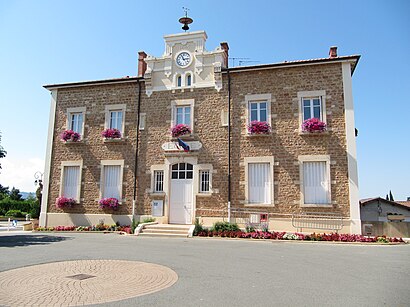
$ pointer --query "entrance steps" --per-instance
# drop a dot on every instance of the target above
(165, 230)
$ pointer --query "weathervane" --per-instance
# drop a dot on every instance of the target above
(185, 20)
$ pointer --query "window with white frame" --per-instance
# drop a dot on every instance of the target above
(158, 181)
(258, 111)
(315, 180)
(75, 119)
(312, 104)
(111, 179)
(114, 117)
(259, 180)
(188, 80)
(71, 180)
(182, 112)
(204, 181)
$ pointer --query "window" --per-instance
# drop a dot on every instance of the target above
(158, 181)
(259, 183)
(312, 104)
(312, 108)
(204, 181)
(183, 115)
(258, 111)
(188, 80)
(71, 179)
(179, 81)
(143, 119)
(259, 180)
(114, 117)
(111, 177)
(75, 119)
(315, 180)
(182, 171)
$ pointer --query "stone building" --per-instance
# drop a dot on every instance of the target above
(247, 149)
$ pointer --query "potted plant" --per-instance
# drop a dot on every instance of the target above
(313, 125)
(257, 127)
(70, 136)
(111, 133)
(179, 130)
(109, 203)
(65, 202)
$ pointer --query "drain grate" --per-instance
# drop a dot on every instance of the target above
(81, 276)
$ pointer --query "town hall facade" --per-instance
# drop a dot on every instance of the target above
(190, 138)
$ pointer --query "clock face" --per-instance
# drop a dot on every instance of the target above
(183, 59)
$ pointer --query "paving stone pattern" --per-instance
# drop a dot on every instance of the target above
(52, 284)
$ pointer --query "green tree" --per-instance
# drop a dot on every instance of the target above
(15, 194)
(2, 151)
(391, 196)
(4, 192)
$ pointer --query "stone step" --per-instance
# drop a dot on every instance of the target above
(160, 234)
(150, 230)
(167, 227)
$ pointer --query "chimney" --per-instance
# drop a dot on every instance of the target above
(142, 66)
(225, 48)
(333, 52)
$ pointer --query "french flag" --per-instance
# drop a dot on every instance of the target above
(184, 145)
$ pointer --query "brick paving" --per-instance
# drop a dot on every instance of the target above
(55, 284)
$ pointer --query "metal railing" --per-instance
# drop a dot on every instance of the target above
(318, 220)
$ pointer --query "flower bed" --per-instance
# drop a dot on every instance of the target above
(70, 136)
(99, 227)
(64, 202)
(331, 237)
(313, 125)
(257, 127)
(111, 133)
(109, 203)
(179, 130)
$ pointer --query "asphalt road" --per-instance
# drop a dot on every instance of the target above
(224, 272)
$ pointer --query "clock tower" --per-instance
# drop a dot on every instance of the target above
(185, 64)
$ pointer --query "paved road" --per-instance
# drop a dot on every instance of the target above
(222, 272)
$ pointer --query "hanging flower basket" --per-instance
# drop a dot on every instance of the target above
(179, 130)
(111, 133)
(64, 202)
(257, 127)
(70, 136)
(313, 125)
(109, 203)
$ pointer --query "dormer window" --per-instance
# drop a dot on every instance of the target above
(188, 80)
(179, 81)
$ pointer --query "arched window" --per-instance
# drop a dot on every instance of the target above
(179, 81)
(188, 80)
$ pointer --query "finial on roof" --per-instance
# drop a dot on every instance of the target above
(185, 20)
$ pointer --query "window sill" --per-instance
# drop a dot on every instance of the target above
(260, 205)
(256, 135)
(185, 137)
(72, 142)
(157, 194)
(107, 140)
(314, 133)
(316, 205)
(205, 194)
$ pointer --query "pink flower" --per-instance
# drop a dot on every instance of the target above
(180, 129)
(257, 127)
(313, 125)
(62, 202)
(109, 203)
(70, 135)
(111, 133)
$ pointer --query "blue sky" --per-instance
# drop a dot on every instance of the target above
(43, 42)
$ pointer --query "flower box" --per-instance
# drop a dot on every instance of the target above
(64, 202)
(69, 136)
(259, 128)
(313, 125)
(109, 203)
(180, 130)
(111, 134)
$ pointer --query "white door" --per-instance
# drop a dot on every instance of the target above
(180, 204)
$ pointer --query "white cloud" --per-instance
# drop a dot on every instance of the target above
(19, 173)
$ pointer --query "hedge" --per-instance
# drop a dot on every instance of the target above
(30, 206)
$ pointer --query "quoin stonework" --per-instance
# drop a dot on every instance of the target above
(274, 140)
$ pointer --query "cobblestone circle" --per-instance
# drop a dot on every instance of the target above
(60, 284)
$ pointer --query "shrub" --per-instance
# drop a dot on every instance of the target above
(180, 129)
(313, 125)
(257, 127)
(111, 133)
(70, 135)
(198, 227)
(15, 213)
(224, 226)
(29, 205)
(148, 220)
